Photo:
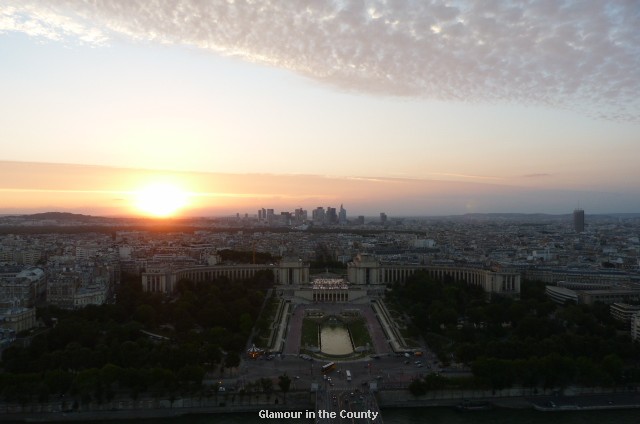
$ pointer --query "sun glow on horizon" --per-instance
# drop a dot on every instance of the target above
(161, 200)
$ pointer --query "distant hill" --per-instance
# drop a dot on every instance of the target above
(516, 217)
(64, 216)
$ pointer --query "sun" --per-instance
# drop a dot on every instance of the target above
(161, 200)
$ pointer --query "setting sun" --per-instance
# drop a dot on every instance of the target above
(161, 199)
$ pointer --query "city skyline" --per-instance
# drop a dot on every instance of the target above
(435, 109)
(228, 194)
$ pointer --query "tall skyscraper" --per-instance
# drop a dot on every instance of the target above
(300, 216)
(578, 220)
(318, 215)
(342, 215)
(332, 216)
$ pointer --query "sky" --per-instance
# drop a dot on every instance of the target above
(408, 107)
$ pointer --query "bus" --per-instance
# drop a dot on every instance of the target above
(328, 367)
(348, 375)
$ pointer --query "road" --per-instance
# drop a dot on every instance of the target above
(386, 371)
(338, 405)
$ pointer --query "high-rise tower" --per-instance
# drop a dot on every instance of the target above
(578, 220)
(342, 216)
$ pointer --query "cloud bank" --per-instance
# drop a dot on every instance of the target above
(581, 55)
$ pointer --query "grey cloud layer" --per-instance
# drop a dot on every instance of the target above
(579, 55)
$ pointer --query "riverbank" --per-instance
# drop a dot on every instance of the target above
(148, 408)
(587, 403)
(124, 409)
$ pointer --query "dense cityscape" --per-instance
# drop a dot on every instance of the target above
(57, 268)
(71, 269)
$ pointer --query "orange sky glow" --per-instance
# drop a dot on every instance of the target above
(108, 191)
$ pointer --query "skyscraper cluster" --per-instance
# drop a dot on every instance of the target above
(319, 215)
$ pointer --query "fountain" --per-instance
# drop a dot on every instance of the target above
(334, 338)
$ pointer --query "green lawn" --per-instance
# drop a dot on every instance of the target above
(265, 322)
(359, 333)
(309, 333)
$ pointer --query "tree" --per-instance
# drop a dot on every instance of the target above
(612, 365)
(417, 388)
(146, 315)
(232, 360)
(246, 323)
(58, 381)
(284, 382)
(191, 377)
(267, 385)
(87, 383)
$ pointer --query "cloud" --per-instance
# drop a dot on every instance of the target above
(465, 176)
(540, 175)
(46, 23)
(581, 55)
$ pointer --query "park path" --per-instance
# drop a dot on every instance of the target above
(294, 333)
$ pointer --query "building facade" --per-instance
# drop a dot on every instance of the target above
(164, 279)
(18, 319)
(23, 288)
(366, 270)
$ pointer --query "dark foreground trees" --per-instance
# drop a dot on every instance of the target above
(284, 382)
(143, 344)
(530, 342)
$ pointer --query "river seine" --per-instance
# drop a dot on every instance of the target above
(428, 416)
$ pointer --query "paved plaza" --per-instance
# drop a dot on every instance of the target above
(293, 337)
